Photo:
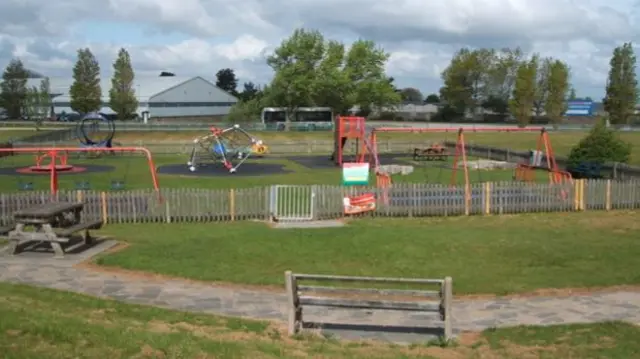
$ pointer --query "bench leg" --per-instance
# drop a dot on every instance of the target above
(86, 237)
(12, 247)
(57, 249)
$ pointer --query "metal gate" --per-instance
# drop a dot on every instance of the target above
(292, 203)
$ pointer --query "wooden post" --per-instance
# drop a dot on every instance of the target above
(79, 196)
(581, 196)
(487, 198)
(232, 204)
(607, 200)
(103, 200)
(448, 303)
(293, 304)
(576, 195)
(167, 212)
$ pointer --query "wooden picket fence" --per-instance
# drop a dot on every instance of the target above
(318, 202)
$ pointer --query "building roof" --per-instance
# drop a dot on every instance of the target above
(145, 87)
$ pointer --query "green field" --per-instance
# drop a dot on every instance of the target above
(9, 135)
(47, 324)
(134, 171)
(497, 254)
(562, 142)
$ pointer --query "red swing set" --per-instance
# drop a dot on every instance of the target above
(367, 151)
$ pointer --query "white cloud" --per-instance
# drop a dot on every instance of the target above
(420, 35)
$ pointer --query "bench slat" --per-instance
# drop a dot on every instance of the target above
(370, 304)
(95, 224)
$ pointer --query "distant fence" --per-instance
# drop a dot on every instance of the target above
(61, 135)
(618, 171)
(317, 202)
(438, 302)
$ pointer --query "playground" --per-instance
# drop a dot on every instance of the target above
(233, 157)
(557, 254)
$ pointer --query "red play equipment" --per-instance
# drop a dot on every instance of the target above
(56, 160)
(524, 172)
(58, 156)
(349, 127)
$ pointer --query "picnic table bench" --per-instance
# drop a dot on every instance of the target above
(53, 222)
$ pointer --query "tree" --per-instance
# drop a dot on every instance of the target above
(432, 99)
(501, 79)
(412, 96)
(542, 85)
(38, 102)
(524, 91)
(557, 91)
(467, 80)
(310, 71)
(226, 79)
(122, 95)
(85, 92)
(13, 89)
(601, 145)
(622, 86)
(249, 91)
(166, 74)
(572, 94)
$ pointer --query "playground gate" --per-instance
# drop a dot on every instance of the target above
(292, 203)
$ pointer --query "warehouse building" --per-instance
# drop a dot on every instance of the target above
(160, 98)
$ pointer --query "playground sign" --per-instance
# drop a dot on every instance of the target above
(355, 174)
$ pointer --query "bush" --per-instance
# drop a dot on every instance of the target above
(601, 145)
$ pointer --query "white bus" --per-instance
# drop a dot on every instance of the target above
(309, 118)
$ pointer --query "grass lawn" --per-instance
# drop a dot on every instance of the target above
(47, 324)
(135, 172)
(10, 134)
(497, 254)
(562, 141)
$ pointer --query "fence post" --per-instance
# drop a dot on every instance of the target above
(293, 304)
(167, 211)
(581, 202)
(607, 198)
(232, 204)
(103, 199)
(448, 299)
(576, 195)
(487, 198)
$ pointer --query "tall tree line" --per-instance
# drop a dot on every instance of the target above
(311, 70)
(505, 82)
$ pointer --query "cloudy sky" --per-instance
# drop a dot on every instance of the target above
(198, 37)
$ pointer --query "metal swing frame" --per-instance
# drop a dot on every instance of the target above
(215, 139)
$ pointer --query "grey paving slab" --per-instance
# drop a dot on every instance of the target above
(400, 326)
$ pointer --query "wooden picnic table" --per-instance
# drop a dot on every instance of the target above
(53, 222)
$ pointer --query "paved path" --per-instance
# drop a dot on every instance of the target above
(198, 297)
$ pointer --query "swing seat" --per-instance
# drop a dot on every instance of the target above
(25, 186)
(82, 185)
(118, 185)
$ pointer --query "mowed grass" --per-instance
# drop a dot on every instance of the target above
(134, 171)
(562, 142)
(49, 324)
(497, 254)
(12, 135)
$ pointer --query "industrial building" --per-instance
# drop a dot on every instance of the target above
(160, 98)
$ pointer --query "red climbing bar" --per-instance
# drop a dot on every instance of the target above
(456, 129)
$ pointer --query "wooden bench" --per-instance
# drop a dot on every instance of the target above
(6, 229)
(64, 233)
(437, 302)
